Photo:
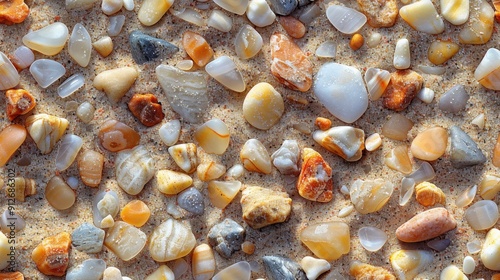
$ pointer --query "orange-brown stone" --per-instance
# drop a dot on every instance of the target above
(146, 108)
(402, 89)
(293, 27)
(13, 11)
(315, 179)
(380, 13)
(11, 276)
(19, 102)
(197, 48)
(52, 255)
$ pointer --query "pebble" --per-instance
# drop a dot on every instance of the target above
(452, 272)
(370, 196)
(489, 186)
(151, 11)
(490, 252)
(293, 27)
(372, 238)
(203, 262)
(110, 7)
(134, 168)
(146, 108)
(426, 95)
(220, 21)
(171, 182)
(45, 130)
(485, 72)
(262, 207)
(314, 267)
(19, 102)
(213, 136)
(221, 193)
(439, 245)
(197, 48)
(263, 106)
(22, 57)
(88, 238)
(404, 86)
(128, 5)
(49, 40)
(315, 181)
(190, 15)
(454, 100)
(171, 240)
(80, 45)
(208, 171)
(402, 58)
(184, 156)
(399, 160)
(327, 49)
(4, 251)
(91, 269)
(191, 200)
(103, 46)
(327, 240)
(373, 142)
(482, 215)
(344, 141)
(346, 99)
(67, 151)
(464, 151)
(11, 222)
(474, 246)
(11, 275)
(136, 213)
(116, 82)
(224, 70)
(85, 112)
(125, 240)
(381, 13)
(374, 40)
(466, 197)
(409, 263)
(163, 272)
(13, 12)
(441, 51)
(79, 5)
(432, 70)
(105, 206)
(289, 65)
(424, 173)
(430, 144)
(248, 42)
(9, 77)
(426, 225)
(480, 26)
(51, 256)
(480, 121)
(259, 13)
(240, 270)
(226, 237)
(469, 265)
(170, 132)
(282, 268)
(46, 71)
(362, 271)
(59, 194)
(428, 194)
(455, 11)
(116, 136)
(233, 6)
(283, 8)
(422, 16)
(71, 85)
(112, 273)
(344, 19)
(189, 99)
(376, 81)
(286, 158)
(255, 158)
(115, 25)
(145, 48)
(24, 187)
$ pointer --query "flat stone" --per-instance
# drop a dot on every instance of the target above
(91, 269)
(464, 151)
(226, 237)
(282, 268)
(88, 238)
(191, 200)
(381, 13)
(454, 100)
(146, 48)
(283, 7)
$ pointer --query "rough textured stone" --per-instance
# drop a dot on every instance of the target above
(380, 13)
(191, 200)
(146, 48)
(404, 86)
(282, 268)
(464, 151)
(88, 238)
(262, 207)
(226, 237)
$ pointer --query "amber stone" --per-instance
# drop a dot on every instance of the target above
(404, 86)
(52, 255)
(19, 102)
(315, 180)
(13, 11)
(146, 108)
(115, 136)
(293, 27)
(197, 48)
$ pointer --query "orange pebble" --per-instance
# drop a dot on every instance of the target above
(52, 255)
(19, 102)
(11, 276)
(135, 213)
(11, 138)
(197, 48)
(496, 153)
(15, 11)
(293, 27)
(323, 123)
(357, 41)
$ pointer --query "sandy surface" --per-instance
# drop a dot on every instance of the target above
(281, 239)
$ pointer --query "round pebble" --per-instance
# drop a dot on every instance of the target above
(263, 106)
(430, 144)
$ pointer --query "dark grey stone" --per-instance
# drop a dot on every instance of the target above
(146, 48)
(464, 151)
(226, 237)
(304, 2)
(282, 268)
(191, 200)
(454, 100)
(88, 238)
(283, 7)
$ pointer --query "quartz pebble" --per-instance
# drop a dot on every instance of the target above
(116, 82)
(430, 144)
(163, 272)
(248, 247)
(189, 99)
(46, 71)
(327, 240)
(191, 200)
(71, 85)
(91, 269)
(402, 54)
(489, 186)
(234, 6)
(286, 158)
(197, 48)
(346, 99)
(464, 151)
(171, 240)
(262, 207)
(278, 268)
(482, 215)
(397, 127)
(439, 245)
(479, 28)
(9, 77)
(184, 156)
(115, 25)
(490, 252)
(110, 7)
(452, 272)
(171, 182)
(255, 157)
(85, 112)
(373, 142)
(426, 225)
(13, 12)
(125, 240)
(466, 197)
(422, 16)
(22, 57)
(224, 70)
(128, 5)
(151, 11)
(170, 132)
(314, 267)
(51, 256)
(146, 108)
(203, 262)
(293, 27)
(247, 42)
(221, 193)
(374, 40)
(105, 207)
(45, 130)
(226, 237)
(480, 121)
(310, 13)
(79, 5)
(146, 48)
(486, 71)
(80, 45)
(441, 51)
(344, 19)
(376, 81)
(11, 138)
(11, 222)
(19, 102)
(49, 40)
(290, 65)
(136, 213)
(209, 171)
(399, 160)
(103, 46)
(315, 181)
(409, 263)
(474, 246)
(469, 265)
(88, 238)
(454, 100)
(370, 196)
(372, 238)
(424, 173)
(58, 194)
(259, 13)
(240, 270)
(344, 141)
(404, 86)
(116, 136)
(366, 271)
(23, 187)
(426, 95)
(380, 13)
(455, 11)
(134, 168)
(220, 21)
(190, 15)
(213, 136)
(263, 106)
(427, 194)
(112, 273)
(68, 150)
(327, 49)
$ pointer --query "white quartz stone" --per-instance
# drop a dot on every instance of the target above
(455, 11)
(488, 71)
(46, 71)
(49, 40)
(346, 20)
(259, 13)
(169, 132)
(220, 21)
(224, 70)
(9, 77)
(422, 16)
(129, 5)
(314, 267)
(426, 95)
(234, 6)
(80, 45)
(372, 238)
(71, 85)
(402, 57)
(115, 25)
(327, 49)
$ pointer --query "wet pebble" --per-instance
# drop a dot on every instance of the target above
(146, 108)
(490, 252)
(422, 16)
(464, 151)
(344, 141)
(314, 267)
(46, 71)
(283, 7)
(191, 200)
(88, 238)
(259, 13)
(430, 144)
(345, 19)
(170, 132)
(91, 269)
(226, 237)
(146, 48)
(293, 27)
(263, 106)
(282, 268)
(409, 263)
(404, 86)
(51, 256)
(441, 51)
(454, 100)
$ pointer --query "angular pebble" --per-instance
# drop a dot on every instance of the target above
(490, 252)
(234, 6)
(409, 263)
(344, 141)
(51, 256)
(146, 48)
(13, 12)
(191, 200)
(482, 215)
(426, 225)
(170, 132)
(327, 240)
(345, 19)
(379, 13)
(125, 240)
(220, 21)
(9, 77)
(480, 26)
(46, 71)
(362, 271)
(430, 144)
(282, 268)
(226, 237)
(259, 13)
(88, 238)
(103, 46)
(224, 70)
(464, 151)
(404, 86)
(376, 81)
(262, 207)
(370, 196)
(283, 8)
(240, 270)
(293, 27)
(488, 70)
(134, 168)
(314, 267)
(115, 25)
(454, 100)
(151, 11)
(455, 11)
(286, 158)
(91, 269)
(441, 51)
(116, 82)
(255, 157)
(315, 181)
(248, 42)
(105, 206)
(422, 16)
(184, 156)
(49, 40)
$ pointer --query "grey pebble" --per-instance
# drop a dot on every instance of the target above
(88, 238)
(454, 100)
(282, 268)
(146, 48)
(464, 151)
(439, 244)
(91, 269)
(226, 237)
(283, 7)
(191, 200)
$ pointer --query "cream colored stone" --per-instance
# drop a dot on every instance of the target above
(263, 106)
(116, 82)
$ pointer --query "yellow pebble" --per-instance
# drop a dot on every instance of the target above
(263, 106)
(135, 213)
(357, 41)
(439, 52)
(427, 194)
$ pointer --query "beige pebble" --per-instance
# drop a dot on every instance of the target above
(172, 182)
(184, 156)
(370, 196)
(422, 16)
(362, 271)
(455, 11)
(152, 11)
(125, 240)
(255, 157)
(203, 262)
(209, 171)
(221, 193)
(479, 28)
(171, 240)
(262, 207)
(116, 82)
(112, 273)
(427, 194)
(496, 153)
(103, 46)
(490, 253)
(426, 225)
(379, 13)
(45, 130)
(452, 272)
(314, 267)
(163, 272)
(213, 136)
(398, 159)
(409, 263)
(248, 247)
(373, 142)
(345, 141)
(110, 7)
(327, 240)
(263, 106)
(430, 144)
(489, 186)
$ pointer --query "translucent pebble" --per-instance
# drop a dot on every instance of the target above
(422, 16)
(456, 12)
(151, 11)
(79, 5)
(327, 49)
(11, 138)
(344, 141)
(452, 272)
(426, 95)
(240, 270)
(112, 273)
(372, 238)
(72, 182)
(346, 211)
(22, 57)
(259, 13)
(104, 46)
(116, 136)
(346, 20)
(11, 221)
(125, 241)
(116, 82)
(402, 58)
(263, 106)
(134, 168)
(479, 121)
(344, 190)
(91, 269)
(482, 215)
(376, 81)
(490, 252)
(286, 158)
(115, 25)
(174, 211)
(247, 42)
(234, 6)
(374, 40)
(105, 203)
(439, 244)
(5, 250)
(129, 5)
(466, 197)
(110, 7)
(454, 100)
(221, 193)
(184, 156)
(172, 182)
(328, 240)
(430, 144)
(203, 262)
(399, 160)
(407, 189)
(190, 15)
(487, 71)
(179, 267)
(489, 186)
(210, 170)
(191, 200)
(171, 240)
(80, 45)
(373, 142)
(409, 263)
(235, 171)
(220, 21)
(85, 112)
(255, 157)
(68, 149)
(469, 265)
(45, 130)
(169, 132)
(71, 85)
(46, 71)
(480, 26)
(185, 65)
(9, 77)
(59, 194)
(163, 272)
(424, 173)
(213, 136)
(136, 213)
(474, 246)
(49, 40)
(224, 70)
(432, 70)
(370, 195)
(309, 14)
(441, 51)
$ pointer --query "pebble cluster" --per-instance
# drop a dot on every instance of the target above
(230, 188)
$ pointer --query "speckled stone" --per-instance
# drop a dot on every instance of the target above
(282, 268)
(454, 100)
(226, 237)
(88, 238)
(464, 151)
(191, 200)
(91, 269)
(146, 48)
(283, 7)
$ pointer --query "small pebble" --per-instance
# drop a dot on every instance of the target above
(346, 211)
(259, 13)
(197, 48)
(116, 82)
(233, 6)
(171, 240)
(314, 267)
(441, 51)
(80, 45)
(51, 256)
(480, 121)
(363, 271)
(105, 205)
(399, 160)
(184, 156)
(46, 71)
(19, 102)
(128, 5)
(370, 196)
(125, 240)
(151, 11)
(466, 197)
(489, 186)
(110, 7)
(374, 39)
(136, 213)
(133, 169)
(490, 252)
(116, 136)
(422, 16)
(170, 132)
(4, 250)
(327, 49)
(88, 238)
(485, 71)
(191, 200)
(226, 237)
(283, 8)
(240, 270)
(221, 193)
(427, 194)
(482, 215)
(379, 14)
(224, 70)
(71, 85)
(356, 41)
(404, 86)
(220, 21)
(58, 194)
(103, 46)
(426, 95)
(474, 247)
(13, 12)
(146, 108)
(454, 100)
(146, 48)
(248, 42)
(327, 240)
(455, 11)
(464, 151)
(452, 272)
(439, 245)
(185, 65)
(115, 25)
(22, 57)
(213, 136)
(9, 77)
(409, 263)
(208, 171)
(112, 273)
(67, 151)
(402, 57)
(344, 141)
(376, 81)
(262, 207)
(372, 238)
(91, 269)
(11, 221)
(49, 40)
(248, 247)
(293, 27)
(44, 129)
(426, 225)
(172, 182)
(85, 112)
(469, 265)
(430, 144)
(286, 158)
(281, 268)
(163, 272)
(345, 19)
(480, 26)
(315, 181)
(255, 158)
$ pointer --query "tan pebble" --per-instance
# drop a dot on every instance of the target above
(203, 262)
(293, 27)
(452, 272)
(213, 136)
(427, 194)
(23, 187)
(184, 156)
(115, 136)
(422, 16)
(404, 86)
(90, 166)
(171, 240)
(172, 182)
(107, 222)
(59, 194)
(298, 99)
(345, 141)
(52, 255)
(46, 130)
(262, 207)
(19, 102)
(103, 46)
(136, 213)
(134, 168)
(248, 247)
(490, 252)
(302, 127)
(209, 171)
(426, 225)
(11, 138)
(495, 276)
(430, 144)
(263, 106)
(356, 42)
(327, 240)
(399, 160)
(152, 11)
(146, 108)
(409, 263)
(255, 157)
(496, 153)
(362, 271)
(373, 142)
(11, 275)
(12, 12)
(221, 193)
(197, 48)
(480, 26)
(489, 186)
(441, 51)
(125, 240)
(4, 250)
(397, 127)
(315, 181)
(323, 123)
(116, 82)
(248, 42)
(370, 196)
(162, 273)
(381, 13)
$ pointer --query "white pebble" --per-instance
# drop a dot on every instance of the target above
(247, 42)
(482, 215)
(129, 5)
(49, 40)
(374, 40)
(426, 95)
(189, 15)
(402, 58)
(234, 6)
(22, 57)
(185, 65)
(469, 265)
(85, 112)
(314, 267)
(170, 132)
(115, 25)
(345, 190)
(71, 85)
(46, 71)
(174, 211)
(346, 20)
(327, 49)
(224, 70)
(373, 142)
(490, 253)
(80, 45)
(259, 13)
(309, 14)
(372, 238)
(110, 7)
(474, 246)
(479, 121)
(112, 273)
(9, 221)
(72, 182)
(432, 70)
(422, 16)
(235, 171)
(346, 211)
(220, 21)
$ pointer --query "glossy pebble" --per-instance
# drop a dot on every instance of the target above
(344, 19)
(402, 57)
(409, 263)
(224, 70)
(488, 71)
(441, 51)
(103, 46)
(46, 71)
(464, 151)
(376, 81)
(69, 147)
(234, 6)
(255, 157)
(184, 156)
(80, 45)
(11, 138)
(125, 240)
(372, 238)
(213, 136)
(116, 82)
(490, 252)
(9, 77)
(46, 130)
(170, 132)
(426, 225)
(49, 40)
(482, 215)
(370, 196)
(344, 141)
(220, 21)
(190, 15)
(22, 57)
(146, 48)
(327, 49)
(422, 16)
(480, 26)
(430, 144)
(314, 267)
(454, 100)
(110, 7)
(115, 25)
(259, 13)
(197, 48)
(327, 240)
(469, 265)
(263, 106)
(171, 240)
(134, 168)
(455, 11)
(151, 11)
(452, 272)
(191, 200)
(240, 270)
(71, 85)
(248, 42)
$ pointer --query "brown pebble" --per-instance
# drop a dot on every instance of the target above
(404, 86)
(293, 27)
(146, 108)
(262, 206)
(426, 225)
(19, 102)
(52, 255)
(115, 136)
(315, 179)
(197, 48)
(13, 11)
(380, 13)
(357, 41)
(323, 123)
(11, 276)
(248, 247)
